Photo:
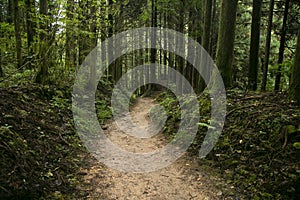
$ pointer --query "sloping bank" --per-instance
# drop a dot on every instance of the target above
(40, 153)
(258, 150)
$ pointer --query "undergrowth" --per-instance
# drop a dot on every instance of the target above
(40, 151)
(258, 150)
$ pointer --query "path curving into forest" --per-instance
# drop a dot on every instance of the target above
(184, 179)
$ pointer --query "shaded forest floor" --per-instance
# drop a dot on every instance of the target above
(41, 157)
(259, 150)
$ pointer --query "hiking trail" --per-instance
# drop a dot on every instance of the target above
(184, 179)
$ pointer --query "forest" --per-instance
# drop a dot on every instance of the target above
(217, 79)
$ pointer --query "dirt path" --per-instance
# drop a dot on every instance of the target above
(184, 179)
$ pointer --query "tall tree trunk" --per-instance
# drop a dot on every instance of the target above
(70, 37)
(30, 7)
(118, 65)
(206, 39)
(282, 44)
(165, 59)
(214, 31)
(110, 31)
(160, 43)
(207, 25)
(17, 33)
(43, 23)
(191, 29)
(226, 40)
(83, 40)
(42, 75)
(295, 79)
(93, 43)
(198, 80)
(267, 47)
(254, 45)
(153, 50)
(179, 60)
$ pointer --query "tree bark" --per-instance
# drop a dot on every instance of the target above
(254, 45)
(226, 40)
(282, 45)
(42, 75)
(207, 25)
(17, 33)
(191, 30)
(153, 41)
(179, 60)
(214, 34)
(84, 30)
(93, 43)
(70, 37)
(295, 79)
(30, 6)
(267, 47)
(112, 72)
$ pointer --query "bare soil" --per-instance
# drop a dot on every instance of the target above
(184, 179)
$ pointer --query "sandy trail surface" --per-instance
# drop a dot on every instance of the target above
(184, 179)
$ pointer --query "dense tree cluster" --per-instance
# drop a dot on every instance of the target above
(252, 42)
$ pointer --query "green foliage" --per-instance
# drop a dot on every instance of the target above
(59, 102)
(39, 151)
(297, 145)
(261, 131)
(171, 105)
(259, 137)
(16, 77)
(103, 111)
(206, 125)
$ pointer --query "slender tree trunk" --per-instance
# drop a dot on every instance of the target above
(30, 7)
(206, 39)
(18, 33)
(165, 44)
(147, 60)
(267, 47)
(191, 30)
(295, 79)
(179, 60)
(153, 50)
(70, 37)
(93, 43)
(207, 25)
(141, 62)
(226, 40)
(199, 82)
(282, 45)
(254, 45)
(83, 40)
(214, 32)
(117, 24)
(43, 23)
(160, 43)
(42, 74)
(110, 31)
